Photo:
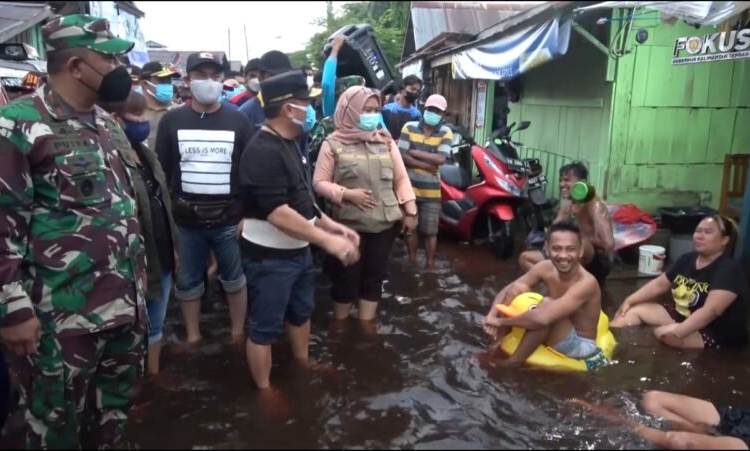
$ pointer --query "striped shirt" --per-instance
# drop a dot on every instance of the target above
(426, 185)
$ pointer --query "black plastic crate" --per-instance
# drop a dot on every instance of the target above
(683, 220)
(362, 55)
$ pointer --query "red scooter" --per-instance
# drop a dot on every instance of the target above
(483, 208)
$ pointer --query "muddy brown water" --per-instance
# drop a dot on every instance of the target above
(418, 383)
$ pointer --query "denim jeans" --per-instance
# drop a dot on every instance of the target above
(194, 246)
(157, 310)
(279, 290)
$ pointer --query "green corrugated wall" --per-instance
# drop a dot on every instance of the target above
(672, 125)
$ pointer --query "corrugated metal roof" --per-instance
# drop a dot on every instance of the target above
(430, 19)
(18, 17)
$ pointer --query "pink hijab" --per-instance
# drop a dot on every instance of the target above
(348, 109)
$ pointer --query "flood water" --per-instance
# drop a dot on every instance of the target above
(418, 383)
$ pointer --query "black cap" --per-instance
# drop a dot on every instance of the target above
(286, 86)
(155, 69)
(198, 58)
(253, 64)
(275, 62)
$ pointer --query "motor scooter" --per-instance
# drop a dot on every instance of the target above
(483, 208)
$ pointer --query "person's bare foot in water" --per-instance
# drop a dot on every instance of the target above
(186, 347)
(327, 370)
(607, 413)
(274, 404)
(338, 326)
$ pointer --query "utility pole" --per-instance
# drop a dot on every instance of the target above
(329, 15)
(247, 45)
(229, 43)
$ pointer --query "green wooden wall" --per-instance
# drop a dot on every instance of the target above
(672, 125)
(568, 102)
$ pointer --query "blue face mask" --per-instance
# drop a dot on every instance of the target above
(431, 118)
(137, 131)
(163, 93)
(369, 121)
(310, 118)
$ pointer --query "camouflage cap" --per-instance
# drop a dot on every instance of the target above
(81, 30)
(344, 83)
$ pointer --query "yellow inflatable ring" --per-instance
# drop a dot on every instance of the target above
(545, 356)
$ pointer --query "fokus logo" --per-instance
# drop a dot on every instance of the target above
(727, 45)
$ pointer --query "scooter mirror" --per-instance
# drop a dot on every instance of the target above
(524, 125)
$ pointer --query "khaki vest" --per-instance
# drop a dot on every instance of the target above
(368, 166)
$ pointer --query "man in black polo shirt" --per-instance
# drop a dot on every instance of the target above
(281, 221)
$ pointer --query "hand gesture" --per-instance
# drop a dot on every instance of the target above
(22, 339)
(340, 229)
(360, 197)
(408, 225)
(342, 248)
(624, 307)
(337, 43)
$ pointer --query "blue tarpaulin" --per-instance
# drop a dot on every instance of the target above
(513, 55)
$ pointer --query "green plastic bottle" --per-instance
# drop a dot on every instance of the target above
(582, 192)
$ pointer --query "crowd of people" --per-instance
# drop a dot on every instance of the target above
(122, 188)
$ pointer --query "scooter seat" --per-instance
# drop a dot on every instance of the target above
(455, 176)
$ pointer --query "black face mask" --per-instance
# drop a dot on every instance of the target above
(115, 85)
(411, 97)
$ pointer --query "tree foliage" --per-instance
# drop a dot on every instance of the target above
(299, 58)
(388, 18)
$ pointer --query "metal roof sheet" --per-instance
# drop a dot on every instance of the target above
(16, 18)
(430, 19)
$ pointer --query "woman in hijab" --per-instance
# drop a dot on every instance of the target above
(360, 172)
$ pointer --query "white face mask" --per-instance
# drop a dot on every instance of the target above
(254, 85)
(206, 92)
(310, 81)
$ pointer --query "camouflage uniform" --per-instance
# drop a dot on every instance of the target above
(71, 256)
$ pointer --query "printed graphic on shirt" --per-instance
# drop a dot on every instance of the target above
(206, 160)
(687, 293)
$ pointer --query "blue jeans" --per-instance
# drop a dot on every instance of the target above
(279, 290)
(194, 246)
(157, 310)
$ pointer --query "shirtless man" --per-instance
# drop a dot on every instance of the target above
(592, 217)
(567, 318)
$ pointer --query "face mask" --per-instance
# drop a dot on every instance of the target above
(138, 89)
(411, 97)
(369, 121)
(254, 85)
(115, 85)
(310, 81)
(137, 131)
(163, 93)
(431, 118)
(309, 121)
(205, 92)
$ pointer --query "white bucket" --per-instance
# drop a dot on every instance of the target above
(651, 259)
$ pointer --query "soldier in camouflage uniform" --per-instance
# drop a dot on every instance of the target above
(72, 308)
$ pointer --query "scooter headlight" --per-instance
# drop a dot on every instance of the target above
(507, 186)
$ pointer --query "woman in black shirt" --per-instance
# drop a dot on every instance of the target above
(709, 294)
(154, 215)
